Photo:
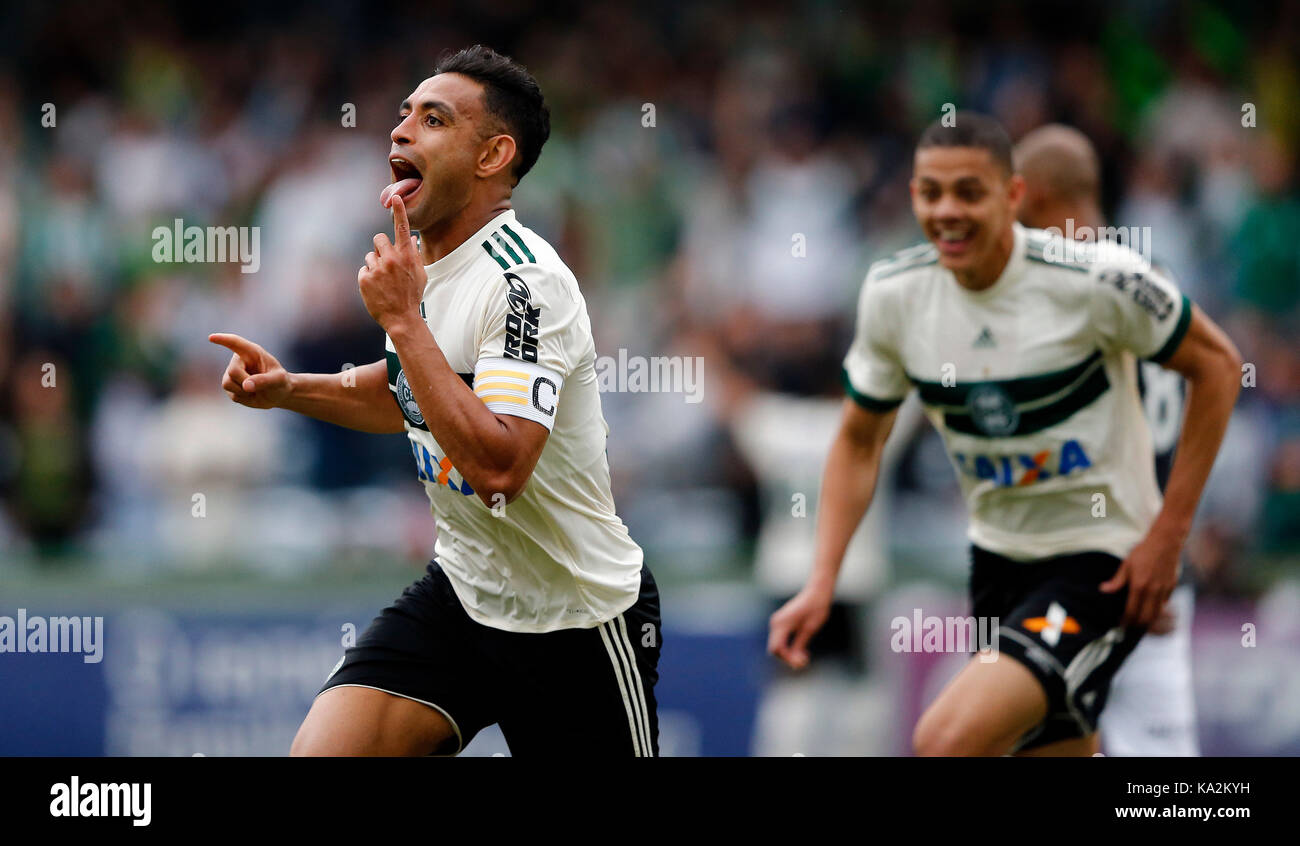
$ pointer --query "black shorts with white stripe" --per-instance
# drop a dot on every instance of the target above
(1054, 619)
(567, 692)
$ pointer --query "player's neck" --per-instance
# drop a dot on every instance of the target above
(987, 272)
(441, 238)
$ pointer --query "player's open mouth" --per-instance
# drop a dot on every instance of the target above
(406, 181)
(953, 240)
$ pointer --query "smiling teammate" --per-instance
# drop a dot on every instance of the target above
(1024, 362)
(538, 613)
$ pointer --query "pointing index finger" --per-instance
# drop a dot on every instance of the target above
(242, 347)
(401, 226)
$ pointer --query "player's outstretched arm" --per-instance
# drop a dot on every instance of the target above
(847, 487)
(1210, 363)
(356, 399)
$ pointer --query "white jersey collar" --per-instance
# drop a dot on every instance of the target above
(469, 249)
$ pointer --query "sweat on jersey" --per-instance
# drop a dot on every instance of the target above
(507, 314)
(1032, 384)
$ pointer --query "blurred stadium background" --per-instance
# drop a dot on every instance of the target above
(766, 120)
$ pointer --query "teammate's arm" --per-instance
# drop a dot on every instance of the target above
(847, 488)
(356, 399)
(1211, 364)
(495, 453)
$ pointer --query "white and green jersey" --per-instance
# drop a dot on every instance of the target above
(1032, 383)
(507, 314)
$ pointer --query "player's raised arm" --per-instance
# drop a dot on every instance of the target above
(495, 453)
(356, 399)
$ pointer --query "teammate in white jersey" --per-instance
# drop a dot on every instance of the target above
(538, 613)
(1151, 710)
(1024, 359)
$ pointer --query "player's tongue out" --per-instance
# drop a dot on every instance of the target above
(403, 187)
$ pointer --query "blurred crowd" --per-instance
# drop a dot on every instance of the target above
(719, 177)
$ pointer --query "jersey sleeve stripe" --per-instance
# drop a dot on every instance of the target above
(520, 241)
(503, 244)
(1176, 337)
(890, 268)
(505, 265)
(869, 403)
(1064, 265)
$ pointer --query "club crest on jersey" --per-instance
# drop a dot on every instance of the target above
(992, 411)
(522, 322)
(406, 398)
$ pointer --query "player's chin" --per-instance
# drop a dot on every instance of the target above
(417, 211)
(957, 261)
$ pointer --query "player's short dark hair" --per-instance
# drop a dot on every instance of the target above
(510, 94)
(970, 129)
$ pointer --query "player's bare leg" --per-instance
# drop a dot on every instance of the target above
(983, 711)
(360, 721)
(1074, 747)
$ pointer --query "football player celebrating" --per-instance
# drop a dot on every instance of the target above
(537, 613)
(1022, 356)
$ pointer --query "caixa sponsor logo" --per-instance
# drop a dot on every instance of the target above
(1020, 468)
(437, 470)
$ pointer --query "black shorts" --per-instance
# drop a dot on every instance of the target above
(572, 691)
(1054, 619)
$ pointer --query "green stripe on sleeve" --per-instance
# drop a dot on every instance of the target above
(1065, 265)
(519, 241)
(501, 242)
(505, 265)
(1175, 337)
(869, 403)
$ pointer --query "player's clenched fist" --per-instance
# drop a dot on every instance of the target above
(392, 282)
(253, 378)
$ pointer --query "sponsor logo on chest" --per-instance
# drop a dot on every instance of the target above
(1018, 469)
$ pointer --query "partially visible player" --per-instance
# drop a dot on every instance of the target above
(538, 613)
(1151, 711)
(1022, 361)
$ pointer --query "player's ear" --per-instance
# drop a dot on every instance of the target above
(1016, 190)
(497, 155)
